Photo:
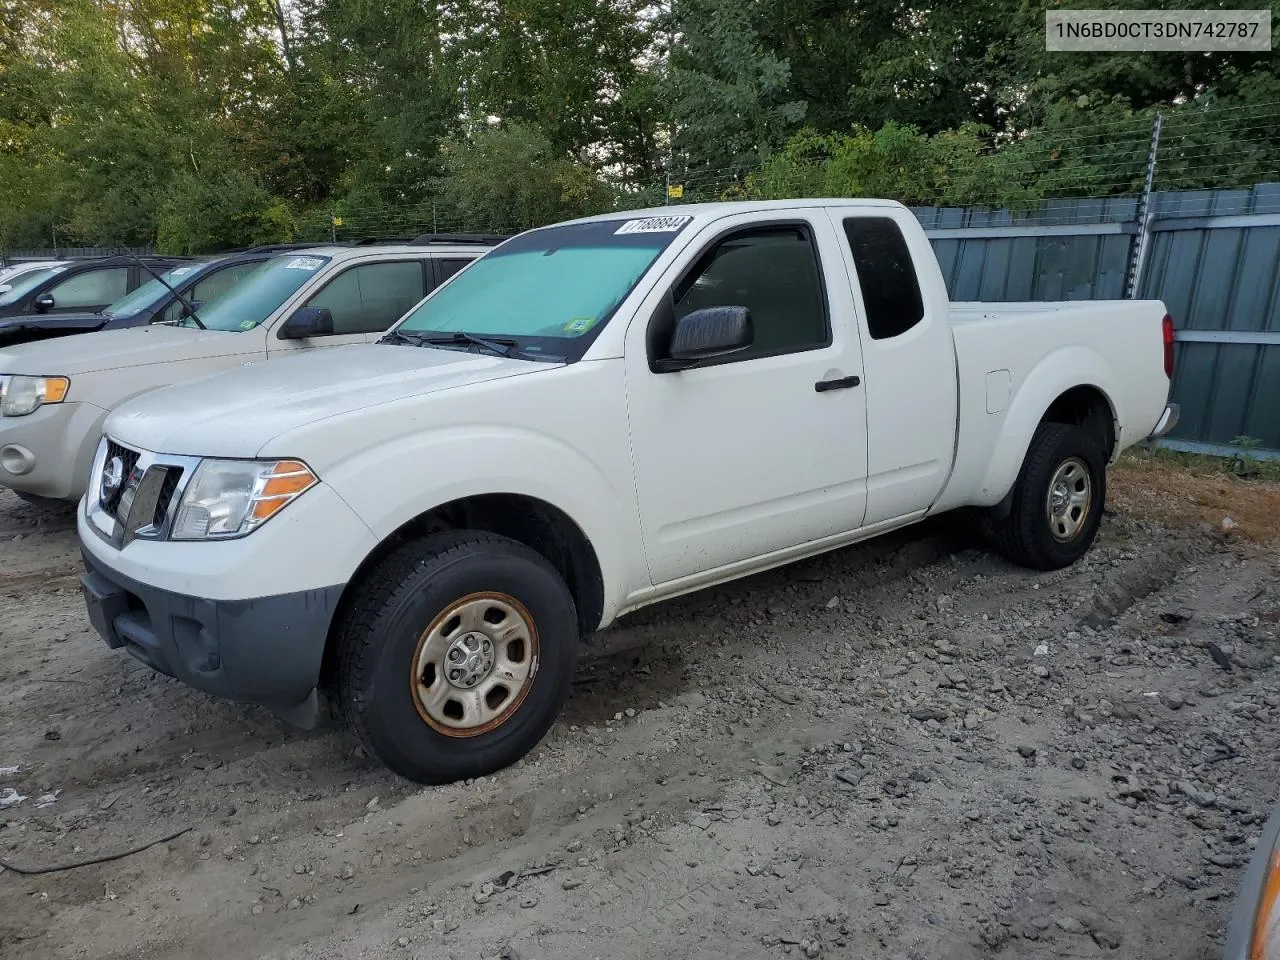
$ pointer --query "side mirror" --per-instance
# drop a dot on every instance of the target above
(44, 303)
(195, 307)
(705, 335)
(307, 322)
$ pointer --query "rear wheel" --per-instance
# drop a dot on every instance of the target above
(456, 656)
(1057, 500)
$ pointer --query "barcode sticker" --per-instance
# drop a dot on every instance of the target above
(653, 225)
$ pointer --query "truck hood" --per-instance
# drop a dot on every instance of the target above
(237, 412)
(119, 349)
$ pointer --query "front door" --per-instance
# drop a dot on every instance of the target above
(758, 451)
(364, 300)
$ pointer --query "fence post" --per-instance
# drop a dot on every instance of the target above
(333, 225)
(1138, 261)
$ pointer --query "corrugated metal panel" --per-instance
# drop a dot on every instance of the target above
(1221, 277)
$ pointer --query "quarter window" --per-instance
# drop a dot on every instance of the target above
(886, 274)
(773, 272)
(372, 296)
(449, 267)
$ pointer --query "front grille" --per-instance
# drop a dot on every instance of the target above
(172, 475)
(129, 460)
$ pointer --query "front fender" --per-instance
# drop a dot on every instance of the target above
(1054, 375)
(457, 462)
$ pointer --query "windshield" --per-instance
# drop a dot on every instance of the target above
(547, 288)
(28, 282)
(150, 293)
(258, 295)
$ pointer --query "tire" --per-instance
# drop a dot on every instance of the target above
(1032, 535)
(460, 595)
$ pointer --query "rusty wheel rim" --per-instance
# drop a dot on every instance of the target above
(474, 665)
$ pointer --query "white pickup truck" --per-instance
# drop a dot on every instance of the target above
(595, 416)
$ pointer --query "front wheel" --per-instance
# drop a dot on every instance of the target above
(1057, 500)
(456, 656)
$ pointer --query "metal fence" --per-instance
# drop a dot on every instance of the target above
(1213, 256)
(8, 257)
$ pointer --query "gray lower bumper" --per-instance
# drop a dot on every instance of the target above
(268, 650)
(1168, 420)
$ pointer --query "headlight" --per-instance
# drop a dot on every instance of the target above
(20, 396)
(230, 498)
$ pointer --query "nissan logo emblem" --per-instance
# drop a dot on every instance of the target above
(112, 477)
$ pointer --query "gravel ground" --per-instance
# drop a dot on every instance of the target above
(907, 749)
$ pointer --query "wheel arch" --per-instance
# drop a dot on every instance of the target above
(539, 525)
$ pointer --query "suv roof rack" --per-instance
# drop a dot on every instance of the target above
(380, 241)
(489, 239)
(269, 247)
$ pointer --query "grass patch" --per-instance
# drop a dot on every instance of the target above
(1237, 496)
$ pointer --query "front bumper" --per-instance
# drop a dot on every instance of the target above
(1168, 420)
(48, 453)
(267, 650)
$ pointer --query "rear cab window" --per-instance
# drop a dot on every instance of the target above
(886, 274)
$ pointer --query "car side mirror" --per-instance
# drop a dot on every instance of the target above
(307, 322)
(193, 309)
(45, 302)
(707, 334)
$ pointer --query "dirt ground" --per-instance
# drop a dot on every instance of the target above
(907, 749)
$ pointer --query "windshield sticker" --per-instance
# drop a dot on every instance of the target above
(56, 269)
(181, 271)
(653, 225)
(248, 324)
(303, 263)
(579, 325)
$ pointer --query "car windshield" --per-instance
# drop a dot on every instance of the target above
(249, 303)
(150, 293)
(26, 283)
(546, 288)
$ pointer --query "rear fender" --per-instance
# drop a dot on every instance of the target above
(1053, 376)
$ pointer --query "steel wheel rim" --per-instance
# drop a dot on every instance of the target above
(1069, 498)
(474, 665)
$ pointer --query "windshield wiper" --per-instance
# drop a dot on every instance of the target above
(395, 336)
(499, 345)
(186, 304)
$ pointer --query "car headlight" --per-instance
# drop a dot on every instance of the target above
(231, 498)
(20, 396)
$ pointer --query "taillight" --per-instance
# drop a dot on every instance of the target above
(1167, 332)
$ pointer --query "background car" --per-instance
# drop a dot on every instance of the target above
(9, 274)
(156, 300)
(81, 285)
(1254, 932)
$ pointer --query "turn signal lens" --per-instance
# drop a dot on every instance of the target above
(287, 479)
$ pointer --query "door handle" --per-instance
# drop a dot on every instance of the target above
(822, 386)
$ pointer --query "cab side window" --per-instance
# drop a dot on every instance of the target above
(886, 274)
(774, 273)
(370, 297)
(93, 288)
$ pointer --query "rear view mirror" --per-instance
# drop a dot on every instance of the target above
(707, 334)
(308, 322)
(45, 302)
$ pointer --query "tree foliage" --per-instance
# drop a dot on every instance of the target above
(200, 124)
